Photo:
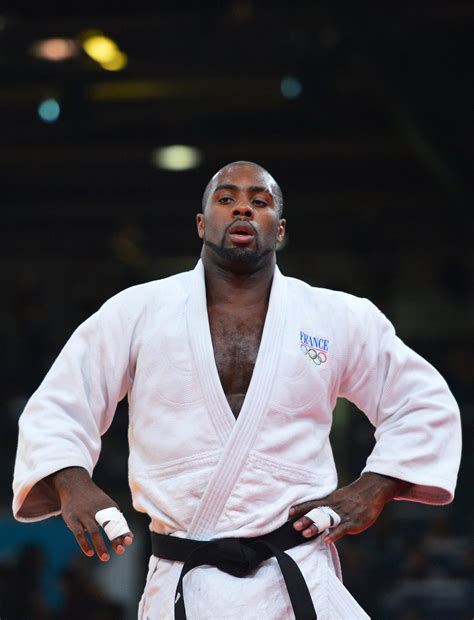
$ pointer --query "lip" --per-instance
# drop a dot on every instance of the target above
(246, 227)
(241, 233)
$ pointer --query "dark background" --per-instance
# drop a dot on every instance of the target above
(375, 162)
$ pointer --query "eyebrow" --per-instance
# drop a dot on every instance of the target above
(253, 188)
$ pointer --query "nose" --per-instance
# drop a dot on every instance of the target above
(243, 209)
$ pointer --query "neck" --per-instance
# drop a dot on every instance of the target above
(224, 285)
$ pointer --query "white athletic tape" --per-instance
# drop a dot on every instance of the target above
(323, 517)
(116, 526)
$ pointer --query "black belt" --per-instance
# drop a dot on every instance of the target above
(238, 557)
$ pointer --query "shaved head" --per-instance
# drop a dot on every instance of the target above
(275, 188)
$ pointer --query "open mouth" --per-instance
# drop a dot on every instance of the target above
(241, 233)
(243, 229)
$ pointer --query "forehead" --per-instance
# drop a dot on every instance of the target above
(244, 176)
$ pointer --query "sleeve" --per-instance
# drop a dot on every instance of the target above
(417, 421)
(64, 419)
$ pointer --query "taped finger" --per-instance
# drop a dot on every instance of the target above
(116, 524)
(323, 518)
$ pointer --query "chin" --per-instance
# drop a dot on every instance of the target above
(239, 256)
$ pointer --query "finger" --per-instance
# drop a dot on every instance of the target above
(302, 524)
(324, 517)
(310, 531)
(82, 540)
(116, 528)
(113, 521)
(338, 532)
(98, 541)
(120, 543)
(317, 520)
(301, 509)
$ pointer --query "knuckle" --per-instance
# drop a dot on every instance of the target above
(71, 523)
(303, 507)
(298, 512)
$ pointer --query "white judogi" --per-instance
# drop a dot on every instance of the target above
(200, 473)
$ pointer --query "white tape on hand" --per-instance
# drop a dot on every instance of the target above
(323, 517)
(116, 523)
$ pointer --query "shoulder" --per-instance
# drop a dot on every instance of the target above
(136, 300)
(330, 298)
(344, 312)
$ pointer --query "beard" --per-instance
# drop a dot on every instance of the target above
(236, 255)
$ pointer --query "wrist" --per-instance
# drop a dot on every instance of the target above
(64, 480)
(385, 487)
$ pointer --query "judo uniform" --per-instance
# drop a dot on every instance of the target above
(200, 473)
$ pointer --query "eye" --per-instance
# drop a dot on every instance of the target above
(259, 203)
(225, 200)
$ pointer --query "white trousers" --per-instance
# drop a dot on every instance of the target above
(211, 594)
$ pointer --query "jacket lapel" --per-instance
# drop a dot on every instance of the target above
(237, 436)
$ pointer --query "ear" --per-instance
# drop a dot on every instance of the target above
(200, 225)
(281, 230)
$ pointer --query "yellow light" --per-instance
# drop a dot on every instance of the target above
(176, 157)
(100, 48)
(118, 62)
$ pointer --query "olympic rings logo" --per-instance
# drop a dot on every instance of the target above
(318, 357)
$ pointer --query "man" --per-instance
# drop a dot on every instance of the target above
(232, 372)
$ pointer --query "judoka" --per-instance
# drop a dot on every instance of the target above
(232, 372)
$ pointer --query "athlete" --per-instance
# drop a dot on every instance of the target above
(232, 372)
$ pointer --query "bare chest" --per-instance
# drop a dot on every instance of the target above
(236, 339)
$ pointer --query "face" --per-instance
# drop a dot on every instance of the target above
(240, 223)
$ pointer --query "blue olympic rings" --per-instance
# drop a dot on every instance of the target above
(318, 357)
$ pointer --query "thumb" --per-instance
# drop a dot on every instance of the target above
(298, 510)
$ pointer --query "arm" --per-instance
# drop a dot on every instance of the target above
(359, 505)
(416, 418)
(418, 437)
(61, 426)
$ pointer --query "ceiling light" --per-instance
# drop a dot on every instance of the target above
(54, 49)
(100, 48)
(118, 62)
(290, 87)
(49, 110)
(176, 157)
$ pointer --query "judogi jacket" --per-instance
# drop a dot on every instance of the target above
(200, 473)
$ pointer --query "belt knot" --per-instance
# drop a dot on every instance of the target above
(238, 556)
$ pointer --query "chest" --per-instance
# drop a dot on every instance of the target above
(236, 336)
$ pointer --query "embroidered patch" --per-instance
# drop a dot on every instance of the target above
(316, 349)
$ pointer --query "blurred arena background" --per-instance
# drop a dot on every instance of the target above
(361, 110)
